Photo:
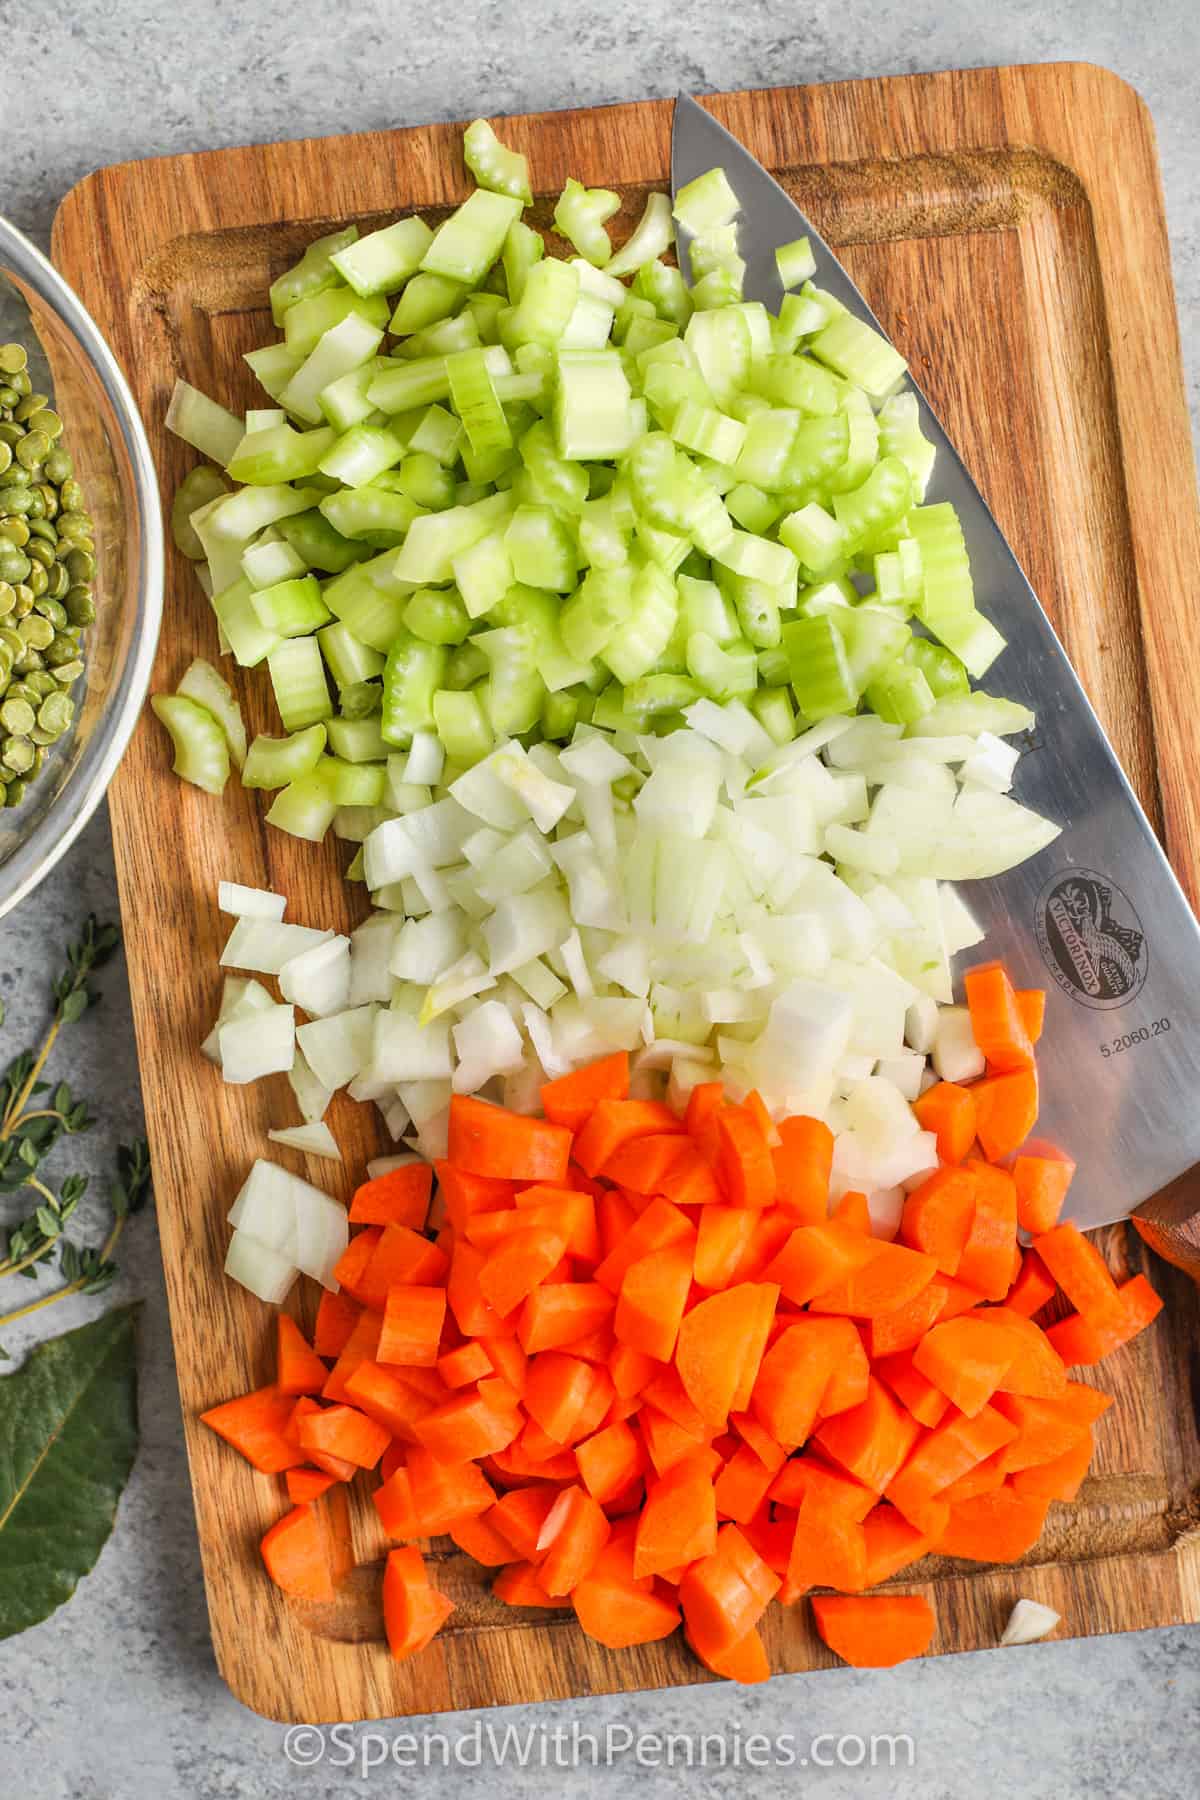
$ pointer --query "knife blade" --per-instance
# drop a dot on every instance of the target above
(1098, 917)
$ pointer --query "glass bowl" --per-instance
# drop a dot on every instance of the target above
(69, 359)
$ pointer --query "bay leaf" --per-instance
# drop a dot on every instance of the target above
(68, 1436)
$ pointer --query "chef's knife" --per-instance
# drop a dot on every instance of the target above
(1097, 917)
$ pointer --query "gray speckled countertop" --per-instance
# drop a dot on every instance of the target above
(116, 1696)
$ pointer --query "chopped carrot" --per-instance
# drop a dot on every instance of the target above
(488, 1140)
(1006, 1110)
(713, 1339)
(401, 1258)
(659, 1225)
(385, 1396)
(512, 1271)
(344, 1432)
(336, 1317)
(938, 1215)
(984, 1478)
(818, 1257)
(1044, 1430)
(1037, 1368)
(654, 1292)
(412, 1326)
(871, 1440)
(557, 1314)
(892, 1544)
(987, 1259)
(742, 1485)
(618, 1611)
(256, 1424)
(1081, 1273)
(464, 1195)
(1059, 1479)
(664, 1163)
(998, 1527)
(874, 1631)
(465, 1428)
(852, 1209)
(1031, 1004)
(906, 1325)
(772, 1228)
(766, 1299)
(678, 1523)
(573, 1534)
(482, 1541)
(802, 1159)
(518, 1585)
(298, 1369)
(615, 1218)
(354, 1261)
(413, 1610)
(705, 1101)
(724, 1594)
(927, 1404)
(723, 1236)
(444, 1492)
(339, 1467)
(401, 1197)
(893, 1277)
(617, 1122)
(470, 1362)
(945, 1455)
(743, 1162)
(573, 1098)
(608, 1461)
(296, 1552)
(829, 1549)
(1081, 1342)
(304, 1485)
(667, 1441)
(795, 1373)
(570, 1211)
(966, 1359)
(948, 1110)
(770, 1453)
(1033, 1287)
(996, 1018)
(1042, 1183)
(836, 1490)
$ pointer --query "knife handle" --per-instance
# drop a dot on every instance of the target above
(1170, 1223)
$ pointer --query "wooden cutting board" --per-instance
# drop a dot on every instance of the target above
(1007, 226)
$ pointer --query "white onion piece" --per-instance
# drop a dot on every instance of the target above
(339, 1047)
(1028, 1621)
(318, 980)
(250, 902)
(384, 1165)
(241, 998)
(322, 1232)
(956, 1056)
(263, 946)
(312, 1097)
(262, 1044)
(265, 1208)
(886, 1207)
(255, 1266)
(314, 1139)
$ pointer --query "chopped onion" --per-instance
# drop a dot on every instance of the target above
(1028, 1621)
(314, 1139)
(263, 1043)
(249, 902)
(318, 980)
(265, 1272)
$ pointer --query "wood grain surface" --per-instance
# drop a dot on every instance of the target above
(1007, 227)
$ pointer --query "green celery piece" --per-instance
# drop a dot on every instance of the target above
(666, 290)
(357, 740)
(853, 349)
(438, 434)
(969, 714)
(361, 454)
(946, 585)
(560, 715)
(437, 616)
(941, 669)
(868, 513)
(772, 707)
(758, 605)
(655, 695)
(560, 481)
(424, 481)
(413, 674)
(279, 454)
(304, 809)
(200, 745)
(249, 642)
(523, 248)
(708, 432)
(631, 309)
(298, 680)
(970, 637)
(602, 542)
(540, 549)
(608, 710)
(796, 381)
(900, 694)
(601, 605)
(382, 261)
(312, 536)
(345, 347)
(651, 237)
(346, 402)
(462, 725)
(820, 669)
(580, 216)
(404, 385)
(662, 547)
(370, 515)
(750, 508)
(707, 202)
(353, 783)
(723, 348)
(799, 317)
(273, 366)
(466, 665)
(269, 560)
(369, 599)
(819, 450)
(721, 287)
(795, 263)
(546, 304)
(767, 448)
(493, 165)
(814, 535)
(441, 338)
(826, 596)
(466, 245)
(862, 447)
(307, 322)
(312, 274)
(758, 559)
(703, 607)
(273, 762)
(874, 640)
(483, 573)
(486, 309)
(473, 397)
(239, 516)
(642, 334)
(425, 300)
(513, 693)
(634, 650)
(291, 608)
(537, 613)
(348, 660)
(723, 672)
(433, 542)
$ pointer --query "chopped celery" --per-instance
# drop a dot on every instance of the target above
(708, 432)
(353, 783)
(413, 674)
(580, 216)
(655, 695)
(666, 291)
(312, 274)
(970, 637)
(357, 740)
(280, 454)
(635, 648)
(437, 616)
(513, 693)
(466, 244)
(540, 549)
(425, 300)
(867, 513)
(308, 321)
(291, 608)
(248, 639)
(382, 261)
(772, 707)
(851, 348)
(546, 304)
(900, 694)
(795, 263)
(361, 454)
(207, 688)
(523, 247)
(596, 611)
(201, 750)
(706, 202)
(370, 515)
(298, 681)
(345, 347)
(266, 562)
(726, 672)
(750, 508)
(473, 397)
(495, 166)
(483, 574)
(820, 670)
(438, 434)
(348, 660)
(273, 366)
(304, 809)
(312, 537)
(653, 234)
(815, 536)
(435, 540)
(441, 338)
(462, 725)
(200, 422)
(273, 762)
(402, 385)
(942, 670)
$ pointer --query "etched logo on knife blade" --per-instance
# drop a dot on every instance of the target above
(1091, 938)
